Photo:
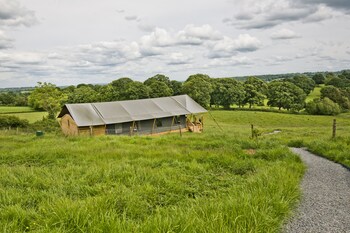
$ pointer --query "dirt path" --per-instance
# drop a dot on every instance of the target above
(325, 203)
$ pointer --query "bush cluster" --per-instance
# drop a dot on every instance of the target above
(323, 107)
(12, 122)
(46, 125)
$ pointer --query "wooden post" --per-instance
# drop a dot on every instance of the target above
(91, 130)
(180, 130)
(154, 123)
(334, 128)
(252, 128)
(172, 123)
(133, 127)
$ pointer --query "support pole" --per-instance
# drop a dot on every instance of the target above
(172, 123)
(154, 123)
(334, 128)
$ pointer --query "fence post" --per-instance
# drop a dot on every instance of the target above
(334, 128)
(252, 128)
(180, 130)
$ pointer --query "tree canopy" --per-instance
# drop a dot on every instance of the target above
(199, 88)
(286, 95)
(48, 97)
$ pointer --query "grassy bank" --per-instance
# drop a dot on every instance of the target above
(210, 182)
(313, 132)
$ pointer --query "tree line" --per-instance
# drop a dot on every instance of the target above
(288, 93)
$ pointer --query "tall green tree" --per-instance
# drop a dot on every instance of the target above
(135, 90)
(319, 78)
(48, 97)
(227, 91)
(160, 78)
(83, 94)
(159, 89)
(108, 93)
(176, 86)
(336, 95)
(285, 95)
(304, 82)
(199, 88)
(255, 91)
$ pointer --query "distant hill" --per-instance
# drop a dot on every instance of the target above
(271, 77)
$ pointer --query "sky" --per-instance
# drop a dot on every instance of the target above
(67, 42)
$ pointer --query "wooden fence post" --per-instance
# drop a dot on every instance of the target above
(334, 128)
(180, 130)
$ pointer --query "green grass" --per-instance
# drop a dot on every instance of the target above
(316, 93)
(195, 183)
(15, 109)
(30, 116)
(208, 182)
(23, 113)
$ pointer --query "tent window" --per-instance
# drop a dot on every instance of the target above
(177, 120)
(159, 123)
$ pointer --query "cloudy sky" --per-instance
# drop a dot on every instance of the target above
(87, 41)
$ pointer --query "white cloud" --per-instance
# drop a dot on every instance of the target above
(229, 47)
(178, 59)
(284, 34)
(196, 35)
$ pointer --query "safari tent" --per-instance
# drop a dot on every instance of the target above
(133, 117)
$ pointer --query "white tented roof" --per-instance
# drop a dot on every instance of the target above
(131, 110)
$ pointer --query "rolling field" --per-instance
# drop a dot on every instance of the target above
(23, 113)
(211, 182)
(15, 109)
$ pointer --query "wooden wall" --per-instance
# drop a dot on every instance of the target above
(93, 131)
(70, 128)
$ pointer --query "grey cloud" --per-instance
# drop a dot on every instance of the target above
(13, 14)
(244, 16)
(132, 18)
(343, 5)
(5, 42)
(146, 27)
(282, 11)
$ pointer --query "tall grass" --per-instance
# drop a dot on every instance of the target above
(196, 183)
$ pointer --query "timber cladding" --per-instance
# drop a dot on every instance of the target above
(70, 128)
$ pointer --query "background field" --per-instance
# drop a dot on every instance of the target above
(23, 113)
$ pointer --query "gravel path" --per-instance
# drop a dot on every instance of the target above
(325, 203)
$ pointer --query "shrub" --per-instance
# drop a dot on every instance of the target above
(46, 125)
(323, 107)
(12, 121)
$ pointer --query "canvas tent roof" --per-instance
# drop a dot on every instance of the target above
(131, 110)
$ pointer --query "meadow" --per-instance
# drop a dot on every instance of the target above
(211, 182)
(217, 181)
(23, 112)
